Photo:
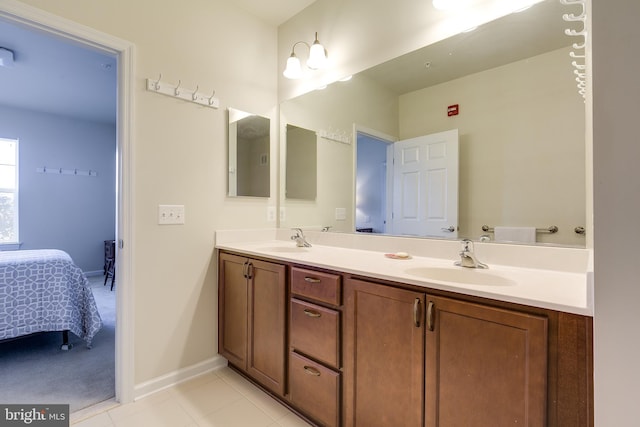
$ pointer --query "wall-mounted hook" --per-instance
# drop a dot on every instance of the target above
(211, 97)
(157, 83)
(572, 32)
(578, 66)
(194, 95)
(176, 91)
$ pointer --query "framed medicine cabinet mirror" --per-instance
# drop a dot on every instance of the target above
(249, 151)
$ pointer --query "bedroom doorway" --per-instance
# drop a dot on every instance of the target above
(17, 13)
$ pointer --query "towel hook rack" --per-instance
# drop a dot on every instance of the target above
(177, 91)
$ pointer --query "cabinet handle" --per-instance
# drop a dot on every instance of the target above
(430, 316)
(311, 280)
(416, 312)
(244, 269)
(249, 270)
(311, 313)
(312, 371)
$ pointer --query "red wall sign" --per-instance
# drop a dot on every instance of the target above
(452, 110)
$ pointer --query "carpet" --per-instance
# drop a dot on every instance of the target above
(34, 369)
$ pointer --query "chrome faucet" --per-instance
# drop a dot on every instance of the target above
(467, 257)
(301, 241)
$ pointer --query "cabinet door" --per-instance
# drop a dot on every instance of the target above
(232, 309)
(384, 355)
(267, 314)
(485, 366)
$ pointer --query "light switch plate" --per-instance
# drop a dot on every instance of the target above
(341, 214)
(171, 214)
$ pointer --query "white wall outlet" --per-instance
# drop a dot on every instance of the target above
(271, 214)
(283, 213)
(341, 214)
(171, 214)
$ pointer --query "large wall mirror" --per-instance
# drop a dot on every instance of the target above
(249, 150)
(520, 123)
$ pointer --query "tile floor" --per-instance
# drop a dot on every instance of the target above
(221, 398)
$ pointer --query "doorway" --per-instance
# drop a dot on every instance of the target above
(371, 183)
(37, 19)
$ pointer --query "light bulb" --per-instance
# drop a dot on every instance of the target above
(317, 55)
(293, 69)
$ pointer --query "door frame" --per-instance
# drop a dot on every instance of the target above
(124, 52)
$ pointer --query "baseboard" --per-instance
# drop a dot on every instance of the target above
(94, 273)
(176, 377)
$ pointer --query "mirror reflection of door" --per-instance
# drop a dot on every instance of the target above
(425, 185)
(248, 147)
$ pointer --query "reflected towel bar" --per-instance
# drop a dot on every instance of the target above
(551, 230)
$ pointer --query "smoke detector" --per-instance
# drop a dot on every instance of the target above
(6, 57)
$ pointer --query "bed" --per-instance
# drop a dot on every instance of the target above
(44, 291)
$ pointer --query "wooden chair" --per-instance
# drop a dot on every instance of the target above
(109, 262)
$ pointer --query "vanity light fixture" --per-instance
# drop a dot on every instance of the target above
(317, 59)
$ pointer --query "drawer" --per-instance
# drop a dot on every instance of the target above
(315, 331)
(314, 389)
(324, 287)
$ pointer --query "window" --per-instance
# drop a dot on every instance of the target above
(8, 190)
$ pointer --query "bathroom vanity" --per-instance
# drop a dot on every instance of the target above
(348, 337)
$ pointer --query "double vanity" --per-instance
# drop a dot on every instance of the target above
(346, 334)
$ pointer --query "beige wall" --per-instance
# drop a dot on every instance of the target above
(179, 157)
(521, 127)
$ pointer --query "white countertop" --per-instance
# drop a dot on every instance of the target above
(566, 291)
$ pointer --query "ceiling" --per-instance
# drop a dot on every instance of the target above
(54, 75)
(274, 12)
(514, 37)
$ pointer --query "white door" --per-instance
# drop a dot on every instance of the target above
(425, 185)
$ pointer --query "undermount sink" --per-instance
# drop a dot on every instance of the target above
(285, 249)
(467, 276)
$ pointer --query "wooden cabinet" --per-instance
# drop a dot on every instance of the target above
(358, 352)
(252, 318)
(314, 344)
(384, 355)
(485, 366)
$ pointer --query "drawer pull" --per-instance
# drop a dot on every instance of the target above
(311, 280)
(311, 313)
(312, 371)
(430, 314)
